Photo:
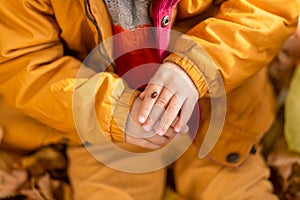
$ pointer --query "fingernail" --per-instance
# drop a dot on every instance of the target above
(142, 119)
(185, 129)
(161, 132)
(141, 95)
(176, 129)
(147, 127)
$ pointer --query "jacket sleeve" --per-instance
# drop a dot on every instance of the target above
(234, 44)
(39, 79)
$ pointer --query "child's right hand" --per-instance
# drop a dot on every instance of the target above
(135, 134)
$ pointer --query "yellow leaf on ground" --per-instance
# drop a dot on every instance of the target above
(292, 114)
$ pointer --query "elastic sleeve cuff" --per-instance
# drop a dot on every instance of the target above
(121, 112)
(192, 71)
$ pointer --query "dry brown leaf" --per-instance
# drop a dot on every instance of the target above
(47, 159)
(282, 159)
(52, 158)
(32, 194)
(11, 181)
(62, 190)
(292, 190)
(45, 186)
(8, 159)
(285, 166)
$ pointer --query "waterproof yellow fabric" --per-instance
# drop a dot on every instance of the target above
(43, 46)
(292, 113)
(197, 179)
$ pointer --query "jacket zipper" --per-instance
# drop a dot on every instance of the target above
(91, 19)
(99, 35)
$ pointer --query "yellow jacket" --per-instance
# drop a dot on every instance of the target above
(44, 42)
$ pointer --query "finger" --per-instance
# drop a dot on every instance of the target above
(158, 109)
(134, 129)
(169, 116)
(170, 133)
(158, 140)
(185, 115)
(154, 116)
(185, 129)
(149, 101)
(142, 95)
(175, 121)
(141, 142)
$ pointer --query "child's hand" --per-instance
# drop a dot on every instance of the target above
(168, 100)
(134, 134)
